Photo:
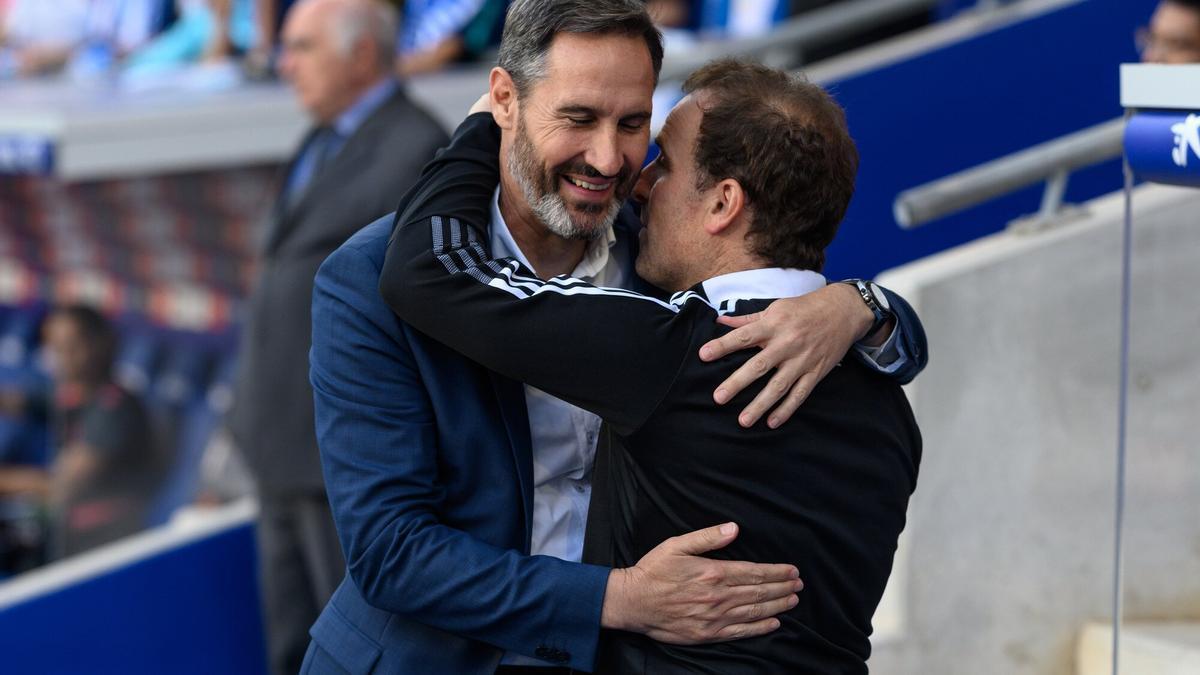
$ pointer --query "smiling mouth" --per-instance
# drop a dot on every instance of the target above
(594, 187)
(589, 187)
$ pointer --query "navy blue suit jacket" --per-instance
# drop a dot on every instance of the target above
(428, 465)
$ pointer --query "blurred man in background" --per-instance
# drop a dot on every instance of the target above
(1173, 35)
(369, 143)
(106, 464)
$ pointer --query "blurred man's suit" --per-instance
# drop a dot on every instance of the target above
(343, 176)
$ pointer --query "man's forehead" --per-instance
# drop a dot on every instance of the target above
(307, 17)
(600, 71)
(619, 50)
(683, 120)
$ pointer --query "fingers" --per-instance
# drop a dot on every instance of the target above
(799, 393)
(763, 610)
(737, 600)
(781, 383)
(703, 541)
(739, 631)
(482, 104)
(758, 365)
(737, 573)
(740, 338)
(737, 321)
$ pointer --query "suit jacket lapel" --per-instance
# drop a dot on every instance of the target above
(511, 396)
(280, 211)
(359, 144)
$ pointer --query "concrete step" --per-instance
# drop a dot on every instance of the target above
(1150, 648)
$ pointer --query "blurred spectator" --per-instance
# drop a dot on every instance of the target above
(267, 14)
(436, 33)
(369, 143)
(106, 466)
(238, 28)
(670, 13)
(739, 18)
(210, 30)
(41, 37)
(1173, 35)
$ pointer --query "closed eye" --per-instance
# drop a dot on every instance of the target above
(633, 123)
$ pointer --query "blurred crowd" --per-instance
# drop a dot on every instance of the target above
(87, 38)
(143, 38)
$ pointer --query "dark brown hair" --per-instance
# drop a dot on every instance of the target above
(96, 330)
(785, 141)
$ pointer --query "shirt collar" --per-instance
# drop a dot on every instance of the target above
(595, 259)
(767, 282)
(353, 117)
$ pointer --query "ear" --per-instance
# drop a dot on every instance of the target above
(727, 204)
(504, 98)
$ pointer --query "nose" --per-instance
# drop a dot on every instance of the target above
(604, 152)
(645, 181)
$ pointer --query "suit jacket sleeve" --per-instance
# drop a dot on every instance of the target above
(376, 431)
(911, 342)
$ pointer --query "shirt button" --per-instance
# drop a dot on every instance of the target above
(580, 488)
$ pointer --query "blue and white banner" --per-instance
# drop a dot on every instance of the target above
(26, 154)
(1164, 146)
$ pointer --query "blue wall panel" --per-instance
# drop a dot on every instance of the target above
(971, 102)
(189, 610)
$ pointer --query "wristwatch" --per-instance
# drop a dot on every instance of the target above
(875, 300)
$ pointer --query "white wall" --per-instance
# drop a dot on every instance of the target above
(1009, 546)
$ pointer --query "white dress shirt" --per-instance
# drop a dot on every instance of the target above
(563, 436)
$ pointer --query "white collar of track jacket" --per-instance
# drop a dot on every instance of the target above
(761, 284)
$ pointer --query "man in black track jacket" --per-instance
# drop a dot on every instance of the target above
(755, 174)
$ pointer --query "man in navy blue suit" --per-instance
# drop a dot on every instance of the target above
(460, 496)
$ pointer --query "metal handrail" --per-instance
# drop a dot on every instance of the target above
(817, 27)
(1051, 161)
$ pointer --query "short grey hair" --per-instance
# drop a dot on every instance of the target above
(375, 20)
(531, 26)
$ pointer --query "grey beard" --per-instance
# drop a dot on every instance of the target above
(545, 202)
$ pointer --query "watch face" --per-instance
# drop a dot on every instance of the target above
(880, 297)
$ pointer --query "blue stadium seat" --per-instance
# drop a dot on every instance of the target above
(137, 360)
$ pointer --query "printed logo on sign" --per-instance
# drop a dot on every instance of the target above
(1187, 134)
